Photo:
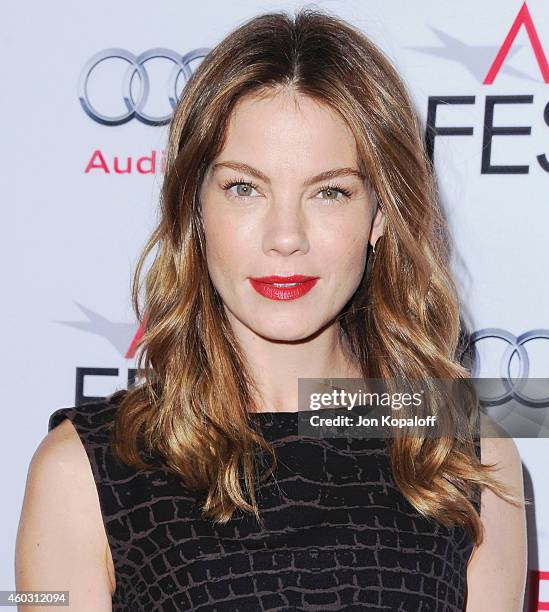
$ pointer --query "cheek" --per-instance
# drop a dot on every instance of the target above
(352, 264)
(346, 251)
(227, 243)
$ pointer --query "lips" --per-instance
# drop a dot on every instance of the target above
(283, 287)
(295, 278)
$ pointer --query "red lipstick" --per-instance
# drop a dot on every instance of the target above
(283, 287)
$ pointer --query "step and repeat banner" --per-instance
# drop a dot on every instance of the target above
(87, 95)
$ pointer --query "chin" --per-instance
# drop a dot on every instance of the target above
(284, 331)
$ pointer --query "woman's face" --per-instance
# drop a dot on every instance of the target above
(267, 212)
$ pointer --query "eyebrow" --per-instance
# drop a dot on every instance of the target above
(323, 176)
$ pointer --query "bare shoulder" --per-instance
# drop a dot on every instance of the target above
(496, 574)
(497, 447)
(61, 541)
(61, 447)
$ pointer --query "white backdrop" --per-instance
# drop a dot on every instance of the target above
(70, 237)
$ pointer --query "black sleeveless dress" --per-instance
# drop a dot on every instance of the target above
(337, 534)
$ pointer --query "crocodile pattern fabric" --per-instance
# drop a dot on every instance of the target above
(337, 532)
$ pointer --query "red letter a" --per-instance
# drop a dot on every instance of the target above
(97, 162)
(525, 18)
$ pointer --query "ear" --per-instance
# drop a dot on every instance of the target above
(378, 226)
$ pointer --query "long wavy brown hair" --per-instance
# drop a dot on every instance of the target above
(192, 405)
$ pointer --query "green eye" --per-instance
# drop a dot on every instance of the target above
(243, 189)
(332, 195)
(333, 191)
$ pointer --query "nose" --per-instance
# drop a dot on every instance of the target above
(285, 229)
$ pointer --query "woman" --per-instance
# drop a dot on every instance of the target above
(293, 149)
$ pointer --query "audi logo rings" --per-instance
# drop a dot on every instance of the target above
(514, 345)
(136, 67)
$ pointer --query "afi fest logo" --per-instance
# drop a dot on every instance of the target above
(472, 58)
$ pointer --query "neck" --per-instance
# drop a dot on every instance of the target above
(276, 366)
